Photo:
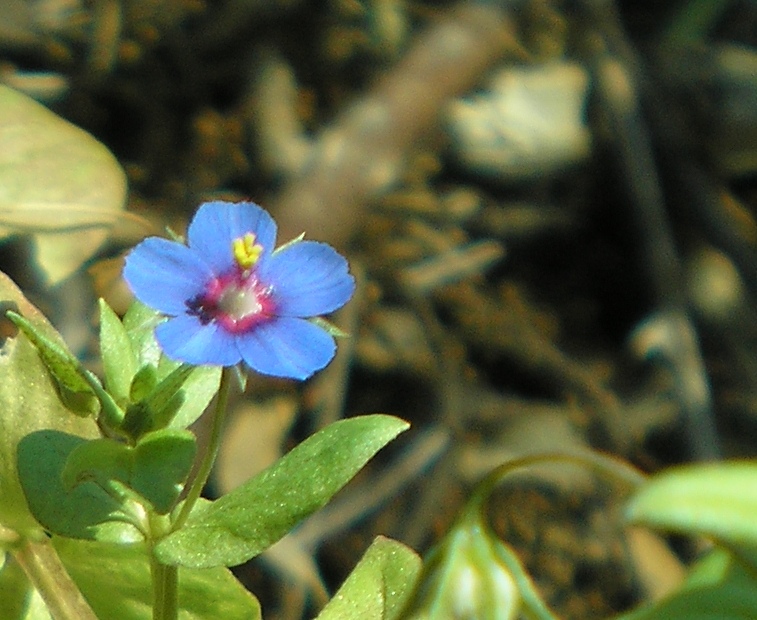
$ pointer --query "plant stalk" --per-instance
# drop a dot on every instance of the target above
(209, 458)
(43, 567)
(165, 591)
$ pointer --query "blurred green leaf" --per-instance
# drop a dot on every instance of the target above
(118, 358)
(86, 511)
(256, 514)
(717, 500)
(155, 468)
(29, 401)
(380, 585)
(115, 580)
(57, 183)
(75, 393)
(719, 587)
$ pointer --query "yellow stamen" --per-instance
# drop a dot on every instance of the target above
(246, 251)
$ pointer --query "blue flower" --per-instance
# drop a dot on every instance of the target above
(231, 297)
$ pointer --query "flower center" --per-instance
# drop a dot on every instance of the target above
(238, 300)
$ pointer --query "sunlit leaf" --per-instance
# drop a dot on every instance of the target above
(158, 378)
(380, 585)
(118, 358)
(198, 390)
(28, 402)
(256, 514)
(115, 580)
(75, 393)
(717, 500)
(140, 322)
(57, 183)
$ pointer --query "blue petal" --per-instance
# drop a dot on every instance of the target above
(287, 347)
(308, 279)
(186, 339)
(217, 224)
(164, 274)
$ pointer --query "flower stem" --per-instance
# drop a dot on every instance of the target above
(165, 592)
(209, 458)
(43, 567)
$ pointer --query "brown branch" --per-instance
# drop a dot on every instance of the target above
(362, 153)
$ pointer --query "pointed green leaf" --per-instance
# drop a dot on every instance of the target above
(329, 327)
(74, 391)
(199, 387)
(140, 322)
(28, 401)
(118, 358)
(380, 586)
(719, 587)
(144, 382)
(198, 390)
(86, 511)
(164, 401)
(717, 500)
(256, 514)
(115, 580)
(175, 402)
(155, 469)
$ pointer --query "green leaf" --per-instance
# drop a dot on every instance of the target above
(155, 469)
(118, 358)
(156, 410)
(115, 580)
(144, 382)
(57, 183)
(28, 402)
(379, 587)
(140, 322)
(162, 461)
(719, 587)
(717, 500)
(98, 461)
(256, 514)
(175, 402)
(74, 391)
(86, 511)
(198, 390)
(164, 401)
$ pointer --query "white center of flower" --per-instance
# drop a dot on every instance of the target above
(239, 302)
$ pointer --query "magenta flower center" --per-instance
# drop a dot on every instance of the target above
(237, 300)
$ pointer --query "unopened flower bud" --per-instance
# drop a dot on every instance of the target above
(465, 579)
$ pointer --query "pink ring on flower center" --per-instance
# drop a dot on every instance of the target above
(237, 300)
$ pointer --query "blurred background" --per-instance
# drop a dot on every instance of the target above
(550, 208)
